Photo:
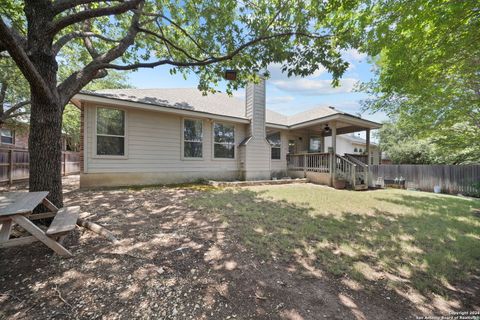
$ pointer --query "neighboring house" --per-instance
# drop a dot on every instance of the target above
(355, 145)
(150, 136)
(14, 136)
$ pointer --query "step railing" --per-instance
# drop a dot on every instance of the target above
(362, 169)
(345, 170)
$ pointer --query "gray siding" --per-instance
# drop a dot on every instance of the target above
(154, 144)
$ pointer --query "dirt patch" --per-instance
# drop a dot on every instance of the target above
(173, 262)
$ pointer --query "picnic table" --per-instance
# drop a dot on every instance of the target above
(17, 207)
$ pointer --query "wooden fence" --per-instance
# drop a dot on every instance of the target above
(454, 179)
(15, 163)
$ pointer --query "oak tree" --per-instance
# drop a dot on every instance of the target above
(204, 37)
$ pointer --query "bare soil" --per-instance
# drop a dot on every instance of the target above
(172, 262)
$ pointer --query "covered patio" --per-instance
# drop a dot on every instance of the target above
(309, 157)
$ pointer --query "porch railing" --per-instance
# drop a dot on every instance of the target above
(345, 168)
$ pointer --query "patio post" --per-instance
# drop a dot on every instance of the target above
(369, 159)
(333, 165)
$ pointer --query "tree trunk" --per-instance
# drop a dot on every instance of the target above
(45, 148)
(44, 142)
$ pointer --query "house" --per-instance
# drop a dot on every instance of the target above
(14, 136)
(161, 136)
(353, 144)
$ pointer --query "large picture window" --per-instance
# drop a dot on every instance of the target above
(110, 132)
(192, 138)
(276, 144)
(7, 136)
(223, 141)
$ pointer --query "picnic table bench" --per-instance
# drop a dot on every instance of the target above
(17, 207)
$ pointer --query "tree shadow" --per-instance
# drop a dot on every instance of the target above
(218, 253)
(429, 256)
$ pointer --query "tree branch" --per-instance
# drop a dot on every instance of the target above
(60, 6)
(210, 60)
(93, 13)
(168, 43)
(78, 34)
(23, 62)
(15, 107)
(79, 79)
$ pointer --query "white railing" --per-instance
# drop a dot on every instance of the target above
(350, 170)
(361, 175)
(345, 169)
(313, 162)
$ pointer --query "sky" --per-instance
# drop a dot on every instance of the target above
(288, 95)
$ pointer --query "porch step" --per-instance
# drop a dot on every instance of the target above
(361, 187)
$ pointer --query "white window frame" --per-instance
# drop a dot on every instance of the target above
(234, 141)
(12, 133)
(125, 135)
(279, 147)
(182, 155)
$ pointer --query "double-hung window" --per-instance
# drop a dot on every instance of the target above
(223, 141)
(7, 136)
(192, 138)
(110, 132)
(276, 145)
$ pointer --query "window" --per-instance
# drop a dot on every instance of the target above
(223, 141)
(360, 150)
(110, 132)
(276, 144)
(315, 144)
(355, 150)
(192, 138)
(291, 146)
(6, 136)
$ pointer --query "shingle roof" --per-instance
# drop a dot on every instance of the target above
(218, 103)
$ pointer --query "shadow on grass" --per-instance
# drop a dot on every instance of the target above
(176, 259)
(431, 248)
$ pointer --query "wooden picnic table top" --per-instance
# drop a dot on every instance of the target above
(13, 203)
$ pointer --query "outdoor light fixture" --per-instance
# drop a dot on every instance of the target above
(327, 128)
(230, 75)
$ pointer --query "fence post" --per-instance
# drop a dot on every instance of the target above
(10, 166)
(64, 163)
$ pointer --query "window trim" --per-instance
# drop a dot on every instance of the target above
(182, 136)
(125, 135)
(234, 141)
(279, 147)
(12, 132)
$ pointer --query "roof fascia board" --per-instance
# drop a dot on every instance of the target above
(154, 107)
(340, 117)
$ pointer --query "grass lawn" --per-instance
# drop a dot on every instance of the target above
(403, 239)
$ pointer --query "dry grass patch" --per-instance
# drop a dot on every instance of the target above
(406, 240)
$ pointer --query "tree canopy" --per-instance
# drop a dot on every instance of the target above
(427, 68)
(203, 37)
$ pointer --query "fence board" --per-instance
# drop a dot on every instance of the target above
(15, 164)
(451, 178)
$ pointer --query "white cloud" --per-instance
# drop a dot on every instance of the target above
(276, 73)
(314, 86)
(279, 99)
(353, 55)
